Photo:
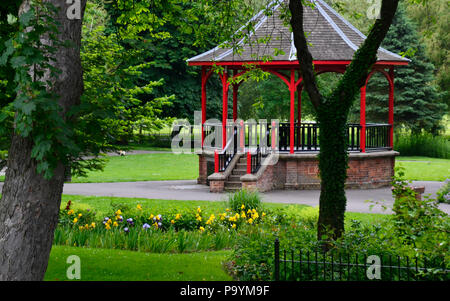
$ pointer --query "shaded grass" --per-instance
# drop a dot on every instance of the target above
(119, 265)
(145, 167)
(424, 168)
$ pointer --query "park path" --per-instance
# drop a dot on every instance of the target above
(189, 190)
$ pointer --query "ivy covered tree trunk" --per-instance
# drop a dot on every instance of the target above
(333, 161)
(333, 110)
(29, 206)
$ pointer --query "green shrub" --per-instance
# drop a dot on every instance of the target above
(443, 194)
(424, 144)
(244, 200)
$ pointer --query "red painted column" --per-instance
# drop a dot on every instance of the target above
(362, 119)
(299, 104)
(292, 117)
(204, 80)
(249, 163)
(391, 105)
(225, 87)
(216, 161)
(235, 96)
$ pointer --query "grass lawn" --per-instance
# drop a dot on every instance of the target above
(145, 167)
(119, 265)
(425, 168)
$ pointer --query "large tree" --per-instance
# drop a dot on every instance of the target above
(333, 111)
(31, 198)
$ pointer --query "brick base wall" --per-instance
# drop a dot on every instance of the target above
(365, 171)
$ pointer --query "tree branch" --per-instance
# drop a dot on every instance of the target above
(304, 56)
(366, 55)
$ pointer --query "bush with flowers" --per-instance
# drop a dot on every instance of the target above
(145, 229)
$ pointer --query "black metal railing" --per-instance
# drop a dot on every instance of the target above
(354, 137)
(297, 265)
(230, 150)
(255, 160)
(378, 136)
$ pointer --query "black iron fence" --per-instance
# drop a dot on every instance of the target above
(298, 265)
(256, 160)
(378, 136)
(226, 156)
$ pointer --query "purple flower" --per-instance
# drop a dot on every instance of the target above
(159, 224)
(130, 221)
(146, 226)
(126, 229)
(105, 220)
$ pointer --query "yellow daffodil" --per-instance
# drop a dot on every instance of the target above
(243, 214)
(115, 224)
(70, 212)
(139, 207)
(172, 221)
(80, 215)
(93, 225)
(227, 210)
(151, 216)
(178, 216)
(75, 220)
(250, 221)
(118, 212)
(80, 228)
(107, 226)
(201, 229)
(199, 218)
(243, 207)
(233, 226)
(199, 210)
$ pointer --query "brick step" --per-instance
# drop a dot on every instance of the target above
(239, 172)
(232, 189)
(241, 165)
(230, 184)
(234, 178)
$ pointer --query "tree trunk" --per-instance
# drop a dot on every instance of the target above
(333, 162)
(29, 206)
(333, 113)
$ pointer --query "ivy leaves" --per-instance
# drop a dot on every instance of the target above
(30, 52)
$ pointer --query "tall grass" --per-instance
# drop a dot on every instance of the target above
(153, 241)
(424, 144)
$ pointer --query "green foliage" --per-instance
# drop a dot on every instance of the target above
(36, 111)
(423, 144)
(419, 222)
(443, 194)
(433, 25)
(244, 200)
(418, 105)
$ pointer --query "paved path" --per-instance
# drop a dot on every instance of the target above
(190, 190)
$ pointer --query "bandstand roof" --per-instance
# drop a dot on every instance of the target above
(332, 39)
